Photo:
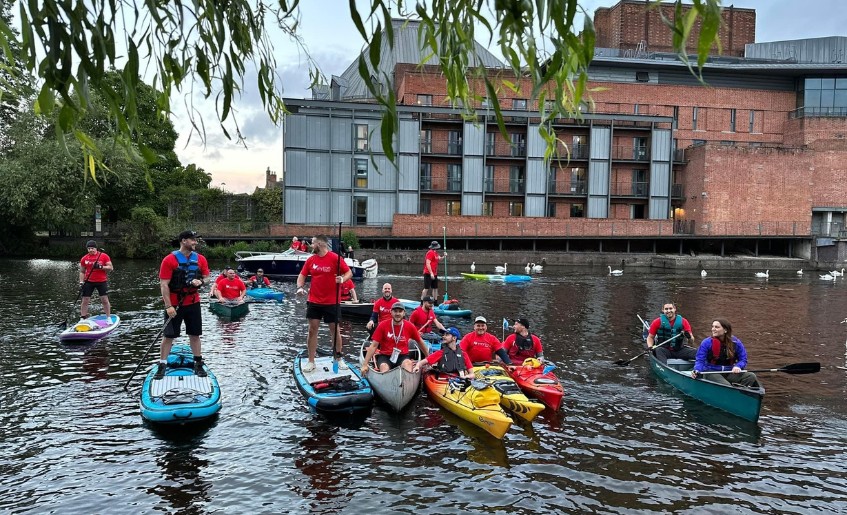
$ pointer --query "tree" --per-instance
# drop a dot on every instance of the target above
(269, 204)
(214, 42)
(16, 84)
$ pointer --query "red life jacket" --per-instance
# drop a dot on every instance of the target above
(717, 354)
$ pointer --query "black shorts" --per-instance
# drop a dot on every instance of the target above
(193, 321)
(326, 312)
(382, 358)
(430, 283)
(89, 287)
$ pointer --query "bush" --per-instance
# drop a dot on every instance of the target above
(350, 240)
(146, 235)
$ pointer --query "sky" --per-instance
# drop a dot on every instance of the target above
(333, 43)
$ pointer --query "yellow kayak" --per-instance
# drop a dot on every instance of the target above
(479, 407)
(511, 396)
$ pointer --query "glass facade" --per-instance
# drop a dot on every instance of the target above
(823, 96)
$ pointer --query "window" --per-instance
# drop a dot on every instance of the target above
(549, 106)
(519, 104)
(518, 146)
(551, 210)
(489, 143)
(727, 142)
(675, 117)
(488, 181)
(753, 121)
(732, 120)
(642, 76)
(485, 103)
(425, 207)
(698, 142)
(694, 116)
(454, 177)
(426, 176)
(639, 149)
(424, 100)
(361, 173)
(578, 181)
(454, 143)
(516, 179)
(488, 208)
(360, 132)
(577, 210)
(515, 208)
(639, 183)
(637, 211)
(579, 147)
(426, 141)
(360, 210)
(635, 109)
(454, 208)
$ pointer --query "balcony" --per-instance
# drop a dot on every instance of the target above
(517, 150)
(504, 186)
(630, 153)
(679, 155)
(677, 192)
(630, 189)
(819, 112)
(567, 187)
(572, 152)
(428, 185)
(440, 147)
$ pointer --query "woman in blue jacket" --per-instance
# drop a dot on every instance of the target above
(723, 352)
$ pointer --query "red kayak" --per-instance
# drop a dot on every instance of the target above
(533, 381)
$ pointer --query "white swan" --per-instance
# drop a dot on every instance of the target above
(764, 274)
(527, 268)
(615, 272)
(501, 269)
(836, 273)
(703, 273)
(800, 272)
(828, 277)
(536, 268)
(473, 267)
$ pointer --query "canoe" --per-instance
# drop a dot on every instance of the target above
(511, 396)
(479, 407)
(180, 397)
(398, 386)
(229, 309)
(266, 294)
(91, 328)
(356, 309)
(511, 278)
(535, 383)
(440, 310)
(332, 393)
(739, 401)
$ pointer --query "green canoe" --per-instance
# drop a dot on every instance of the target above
(740, 401)
(229, 309)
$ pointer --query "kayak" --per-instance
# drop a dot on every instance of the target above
(433, 340)
(91, 328)
(478, 406)
(356, 309)
(511, 278)
(535, 383)
(229, 309)
(329, 392)
(511, 397)
(266, 294)
(440, 310)
(398, 386)
(740, 401)
(180, 397)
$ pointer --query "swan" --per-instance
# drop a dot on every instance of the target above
(828, 277)
(501, 269)
(764, 274)
(473, 267)
(703, 273)
(800, 272)
(836, 273)
(537, 268)
(615, 272)
(527, 268)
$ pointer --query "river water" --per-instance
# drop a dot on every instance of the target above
(73, 440)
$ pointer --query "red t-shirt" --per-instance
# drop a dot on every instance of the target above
(98, 275)
(480, 348)
(263, 282)
(166, 270)
(383, 308)
(516, 353)
(389, 335)
(231, 288)
(346, 287)
(323, 271)
(433, 257)
(434, 357)
(423, 320)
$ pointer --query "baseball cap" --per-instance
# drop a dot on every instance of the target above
(427, 299)
(480, 319)
(187, 234)
(435, 245)
(90, 243)
(455, 332)
(398, 305)
(523, 321)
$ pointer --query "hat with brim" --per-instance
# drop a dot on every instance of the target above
(186, 235)
(435, 245)
(90, 243)
(480, 320)
(398, 305)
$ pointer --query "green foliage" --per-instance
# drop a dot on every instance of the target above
(269, 204)
(350, 239)
(146, 235)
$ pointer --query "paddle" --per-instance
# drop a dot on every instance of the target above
(795, 368)
(625, 362)
(64, 325)
(156, 339)
(444, 231)
(336, 353)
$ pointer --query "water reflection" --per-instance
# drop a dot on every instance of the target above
(180, 455)
(320, 460)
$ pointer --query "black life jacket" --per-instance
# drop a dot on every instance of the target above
(717, 354)
(187, 271)
(451, 360)
(667, 332)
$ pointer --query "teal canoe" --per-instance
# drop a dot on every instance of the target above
(442, 310)
(739, 401)
(229, 309)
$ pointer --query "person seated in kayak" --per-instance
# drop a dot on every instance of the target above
(348, 291)
(723, 352)
(382, 307)
(450, 359)
(522, 344)
(423, 317)
(670, 325)
(259, 280)
(231, 287)
(481, 345)
(390, 342)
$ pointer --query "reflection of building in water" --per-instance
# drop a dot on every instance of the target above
(182, 485)
(228, 332)
(95, 362)
(329, 484)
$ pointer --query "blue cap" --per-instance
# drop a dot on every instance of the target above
(455, 332)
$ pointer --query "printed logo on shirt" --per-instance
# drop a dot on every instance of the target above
(321, 268)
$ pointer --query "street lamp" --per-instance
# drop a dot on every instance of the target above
(223, 187)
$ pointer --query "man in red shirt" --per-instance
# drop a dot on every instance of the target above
(348, 291)
(430, 271)
(259, 280)
(181, 274)
(450, 359)
(382, 307)
(423, 317)
(328, 272)
(296, 244)
(391, 340)
(92, 276)
(522, 344)
(231, 287)
(481, 346)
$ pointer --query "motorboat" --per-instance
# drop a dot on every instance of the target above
(287, 264)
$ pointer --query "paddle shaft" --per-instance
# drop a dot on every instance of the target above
(795, 368)
(156, 339)
(630, 360)
(646, 326)
(444, 231)
(337, 297)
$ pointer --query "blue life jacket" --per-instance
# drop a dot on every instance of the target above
(667, 332)
(187, 271)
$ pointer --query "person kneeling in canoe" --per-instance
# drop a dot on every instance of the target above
(230, 288)
(481, 346)
(259, 280)
(390, 342)
(723, 352)
(450, 359)
(522, 344)
(673, 329)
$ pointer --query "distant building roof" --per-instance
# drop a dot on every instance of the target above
(825, 50)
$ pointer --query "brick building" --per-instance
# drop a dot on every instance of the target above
(657, 161)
